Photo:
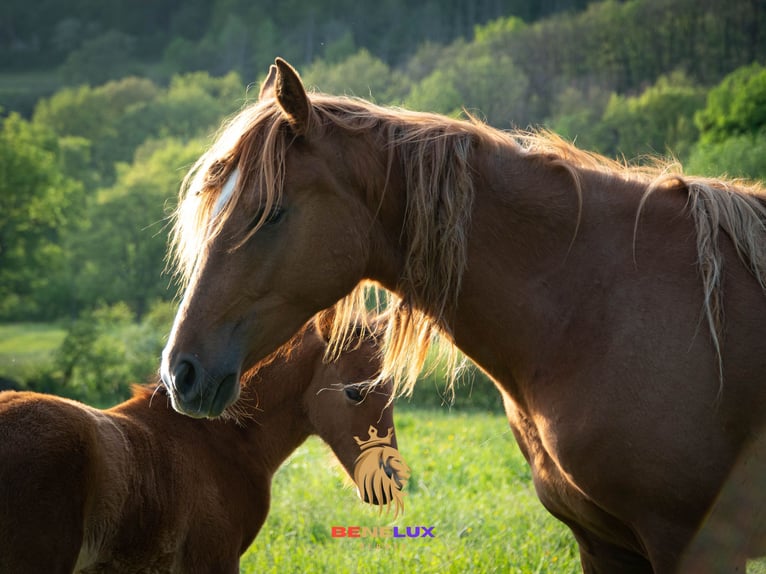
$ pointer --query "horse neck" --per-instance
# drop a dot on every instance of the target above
(275, 421)
(270, 423)
(522, 250)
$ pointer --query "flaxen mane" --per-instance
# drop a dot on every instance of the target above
(434, 154)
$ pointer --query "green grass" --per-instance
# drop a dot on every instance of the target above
(469, 481)
(26, 346)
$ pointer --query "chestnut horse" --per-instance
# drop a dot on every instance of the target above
(620, 310)
(140, 488)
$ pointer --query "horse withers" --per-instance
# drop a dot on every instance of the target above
(619, 309)
(140, 488)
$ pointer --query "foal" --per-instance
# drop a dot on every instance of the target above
(140, 488)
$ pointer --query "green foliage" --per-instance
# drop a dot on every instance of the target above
(469, 481)
(496, 30)
(37, 206)
(117, 117)
(122, 252)
(735, 107)
(96, 115)
(661, 119)
(576, 115)
(738, 156)
(361, 74)
(106, 350)
(26, 349)
(102, 58)
(490, 85)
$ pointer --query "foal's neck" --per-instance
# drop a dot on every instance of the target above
(274, 421)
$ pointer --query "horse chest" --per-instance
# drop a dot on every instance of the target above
(559, 491)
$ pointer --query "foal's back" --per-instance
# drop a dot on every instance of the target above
(45, 470)
(90, 491)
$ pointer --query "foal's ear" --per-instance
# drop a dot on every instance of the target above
(291, 95)
(323, 322)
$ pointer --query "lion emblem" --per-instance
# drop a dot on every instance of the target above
(379, 471)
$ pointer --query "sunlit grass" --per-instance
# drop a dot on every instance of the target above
(26, 346)
(469, 481)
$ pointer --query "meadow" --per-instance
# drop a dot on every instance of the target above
(469, 482)
(25, 346)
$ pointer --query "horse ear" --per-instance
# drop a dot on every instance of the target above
(267, 88)
(292, 97)
(323, 322)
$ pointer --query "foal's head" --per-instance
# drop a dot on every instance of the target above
(342, 400)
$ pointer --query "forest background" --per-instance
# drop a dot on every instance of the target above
(105, 105)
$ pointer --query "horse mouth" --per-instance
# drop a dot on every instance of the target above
(206, 402)
(225, 395)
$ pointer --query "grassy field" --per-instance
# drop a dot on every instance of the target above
(469, 482)
(24, 346)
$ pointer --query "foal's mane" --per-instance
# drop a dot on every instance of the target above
(434, 153)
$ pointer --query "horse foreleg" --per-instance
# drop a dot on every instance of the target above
(600, 557)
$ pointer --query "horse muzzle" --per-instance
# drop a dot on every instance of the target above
(194, 392)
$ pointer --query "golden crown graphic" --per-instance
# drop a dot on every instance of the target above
(374, 439)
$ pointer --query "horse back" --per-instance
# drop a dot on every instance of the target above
(43, 473)
(50, 456)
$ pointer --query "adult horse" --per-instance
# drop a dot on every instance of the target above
(140, 488)
(591, 292)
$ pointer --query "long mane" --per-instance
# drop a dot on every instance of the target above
(433, 152)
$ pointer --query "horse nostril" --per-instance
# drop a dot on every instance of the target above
(185, 376)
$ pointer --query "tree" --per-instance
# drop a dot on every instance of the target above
(738, 156)
(38, 204)
(105, 351)
(660, 120)
(361, 74)
(488, 84)
(103, 58)
(119, 116)
(736, 106)
(122, 253)
(93, 115)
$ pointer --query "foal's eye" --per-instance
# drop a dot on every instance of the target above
(353, 393)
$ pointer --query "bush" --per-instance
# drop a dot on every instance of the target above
(738, 156)
(105, 351)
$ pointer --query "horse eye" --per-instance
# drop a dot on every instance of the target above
(275, 215)
(353, 393)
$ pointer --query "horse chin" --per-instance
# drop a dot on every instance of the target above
(225, 396)
(211, 404)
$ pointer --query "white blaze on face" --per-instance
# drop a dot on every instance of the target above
(226, 192)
